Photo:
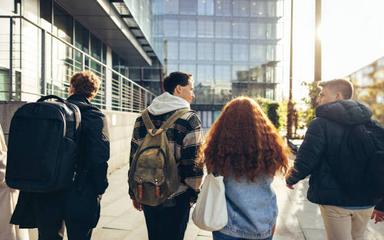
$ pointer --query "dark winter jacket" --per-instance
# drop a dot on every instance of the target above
(80, 204)
(94, 144)
(320, 147)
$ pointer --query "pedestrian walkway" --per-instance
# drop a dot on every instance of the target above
(298, 218)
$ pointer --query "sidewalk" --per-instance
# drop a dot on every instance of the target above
(298, 218)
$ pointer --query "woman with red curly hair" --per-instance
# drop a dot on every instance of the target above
(245, 148)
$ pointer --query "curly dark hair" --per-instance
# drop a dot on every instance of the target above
(85, 83)
(243, 143)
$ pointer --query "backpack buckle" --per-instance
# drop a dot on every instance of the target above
(155, 132)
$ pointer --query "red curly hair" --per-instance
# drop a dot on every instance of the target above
(244, 143)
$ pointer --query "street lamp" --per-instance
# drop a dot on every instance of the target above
(318, 41)
(290, 101)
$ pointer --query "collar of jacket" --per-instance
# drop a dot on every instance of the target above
(79, 98)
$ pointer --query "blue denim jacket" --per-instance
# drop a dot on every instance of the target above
(252, 208)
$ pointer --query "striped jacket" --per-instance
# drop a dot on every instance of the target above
(185, 138)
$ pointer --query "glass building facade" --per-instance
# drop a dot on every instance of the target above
(231, 47)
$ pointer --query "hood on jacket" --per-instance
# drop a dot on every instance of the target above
(167, 102)
(347, 112)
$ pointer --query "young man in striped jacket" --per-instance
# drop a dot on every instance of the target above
(169, 219)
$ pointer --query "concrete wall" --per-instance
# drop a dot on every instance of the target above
(120, 129)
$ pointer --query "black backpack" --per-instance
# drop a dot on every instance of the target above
(42, 145)
(360, 166)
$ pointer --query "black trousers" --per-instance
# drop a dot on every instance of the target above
(78, 210)
(168, 221)
(54, 232)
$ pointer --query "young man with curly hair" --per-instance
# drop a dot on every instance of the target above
(79, 205)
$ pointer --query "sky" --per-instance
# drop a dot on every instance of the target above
(352, 34)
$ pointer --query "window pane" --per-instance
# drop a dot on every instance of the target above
(45, 9)
(187, 28)
(258, 31)
(222, 73)
(223, 29)
(223, 7)
(171, 27)
(271, 9)
(270, 73)
(172, 68)
(241, 8)
(64, 23)
(270, 93)
(204, 73)
(240, 52)
(81, 37)
(188, 7)
(263, 31)
(173, 50)
(271, 53)
(258, 8)
(205, 7)
(188, 68)
(157, 28)
(240, 30)
(223, 51)
(171, 6)
(188, 50)
(257, 53)
(205, 51)
(96, 47)
(205, 28)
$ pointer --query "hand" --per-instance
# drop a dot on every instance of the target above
(377, 215)
(137, 205)
(290, 186)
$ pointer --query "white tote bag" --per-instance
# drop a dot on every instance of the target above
(210, 212)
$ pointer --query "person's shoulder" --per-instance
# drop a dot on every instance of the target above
(191, 119)
(93, 113)
(190, 114)
(318, 122)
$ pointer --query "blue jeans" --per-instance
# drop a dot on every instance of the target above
(221, 236)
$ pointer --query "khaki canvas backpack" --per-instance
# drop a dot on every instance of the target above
(153, 174)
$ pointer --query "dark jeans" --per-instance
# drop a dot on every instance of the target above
(168, 221)
(222, 236)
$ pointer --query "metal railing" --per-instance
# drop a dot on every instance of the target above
(35, 62)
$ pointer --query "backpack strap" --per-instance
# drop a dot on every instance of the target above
(151, 129)
(148, 123)
(167, 124)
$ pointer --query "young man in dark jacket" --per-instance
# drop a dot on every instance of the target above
(169, 220)
(344, 216)
(79, 206)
